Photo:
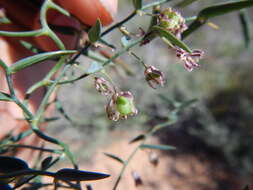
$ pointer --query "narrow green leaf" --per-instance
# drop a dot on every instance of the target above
(156, 3)
(30, 47)
(137, 4)
(185, 3)
(213, 11)
(51, 119)
(94, 32)
(136, 139)
(62, 111)
(167, 100)
(187, 103)
(172, 38)
(244, 20)
(157, 146)
(224, 8)
(29, 61)
(46, 162)
(5, 97)
(78, 175)
(10, 164)
(114, 157)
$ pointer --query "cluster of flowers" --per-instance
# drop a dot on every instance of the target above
(121, 103)
(173, 22)
(190, 59)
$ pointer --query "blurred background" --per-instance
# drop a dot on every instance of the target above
(213, 137)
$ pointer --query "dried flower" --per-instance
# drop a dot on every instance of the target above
(190, 59)
(153, 158)
(120, 106)
(154, 77)
(137, 178)
(103, 86)
(172, 21)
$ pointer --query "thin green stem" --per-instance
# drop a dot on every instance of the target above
(41, 111)
(126, 164)
(121, 52)
(106, 62)
(138, 59)
(57, 40)
(43, 20)
(45, 99)
(74, 79)
(119, 23)
(12, 91)
(32, 147)
(52, 5)
(43, 13)
(38, 32)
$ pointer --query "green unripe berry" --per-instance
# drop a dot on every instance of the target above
(124, 107)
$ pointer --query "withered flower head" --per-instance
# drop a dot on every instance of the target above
(190, 59)
(172, 21)
(153, 158)
(154, 77)
(103, 86)
(137, 178)
(120, 106)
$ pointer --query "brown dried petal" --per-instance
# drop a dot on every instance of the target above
(190, 59)
(154, 77)
(153, 158)
(103, 86)
(113, 110)
(137, 178)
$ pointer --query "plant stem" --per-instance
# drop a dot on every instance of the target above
(148, 134)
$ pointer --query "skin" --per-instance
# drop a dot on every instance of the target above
(24, 16)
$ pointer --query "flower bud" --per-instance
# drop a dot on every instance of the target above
(172, 21)
(120, 106)
(103, 86)
(154, 77)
